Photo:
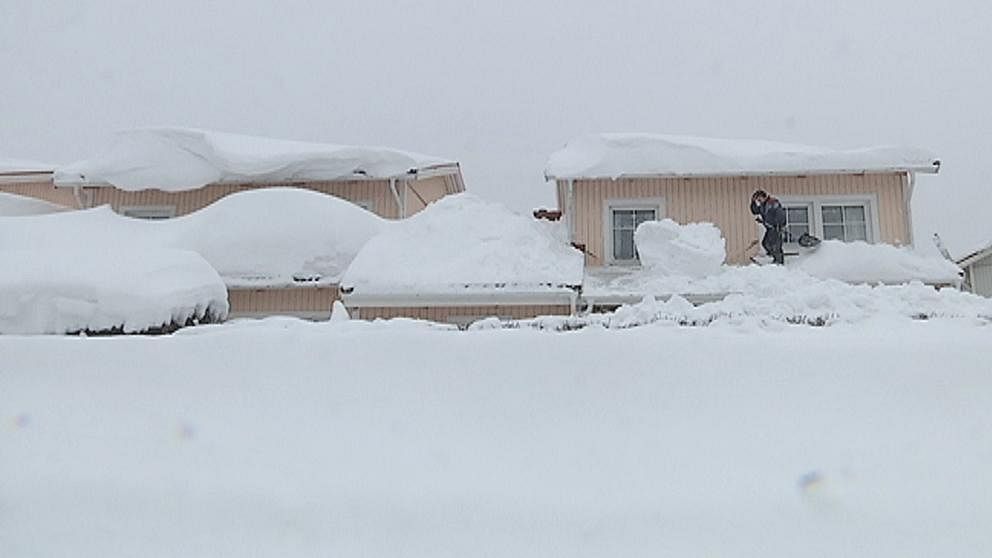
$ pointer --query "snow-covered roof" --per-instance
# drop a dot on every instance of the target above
(176, 159)
(311, 236)
(976, 255)
(636, 154)
(23, 166)
(462, 244)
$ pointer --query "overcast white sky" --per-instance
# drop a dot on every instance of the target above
(500, 84)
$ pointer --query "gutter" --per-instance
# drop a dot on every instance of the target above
(933, 168)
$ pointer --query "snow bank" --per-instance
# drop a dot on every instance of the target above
(286, 438)
(13, 205)
(619, 154)
(860, 262)
(175, 159)
(694, 250)
(71, 290)
(462, 241)
(270, 236)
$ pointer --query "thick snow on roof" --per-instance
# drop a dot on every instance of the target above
(693, 250)
(12, 205)
(860, 262)
(263, 237)
(631, 154)
(176, 159)
(11, 166)
(69, 290)
(464, 242)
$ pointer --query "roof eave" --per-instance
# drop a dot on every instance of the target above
(934, 168)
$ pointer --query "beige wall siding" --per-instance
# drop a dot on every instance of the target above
(453, 314)
(376, 193)
(724, 201)
(285, 301)
(980, 277)
(42, 190)
(420, 193)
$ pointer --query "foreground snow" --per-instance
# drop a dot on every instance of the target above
(132, 291)
(13, 205)
(736, 440)
(175, 159)
(631, 154)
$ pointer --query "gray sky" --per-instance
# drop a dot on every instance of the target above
(500, 84)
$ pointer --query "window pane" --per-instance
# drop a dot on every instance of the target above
(855, 231)
(832, 214)
(854, 213)
(833, 232)
(623, 245)
(623, 218)
(796, 215)
(643, 215)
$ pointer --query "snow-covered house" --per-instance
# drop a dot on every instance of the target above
(167, 172)
(33, 180)
(463, 259)
(977, 268)
(608, 184)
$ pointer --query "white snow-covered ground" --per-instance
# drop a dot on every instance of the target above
(69, 290)
(13, 205)
(262, 237)
(284, 438)
(175, 159)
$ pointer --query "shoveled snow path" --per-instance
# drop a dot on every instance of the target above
(281, 438)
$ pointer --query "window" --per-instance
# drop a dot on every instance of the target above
(153, 212)
(797, 222)
(844, 222)
(845, 218)
(624, 223)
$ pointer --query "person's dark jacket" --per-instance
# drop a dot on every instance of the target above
(771, 212)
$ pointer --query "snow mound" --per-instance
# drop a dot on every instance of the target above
(693, 250)
(176, 159)
(860, 262)
(13, 205)
(462, 241)
(619, 154)
(134, 291)
(270, 236)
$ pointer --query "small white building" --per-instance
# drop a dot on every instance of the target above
(977, 268)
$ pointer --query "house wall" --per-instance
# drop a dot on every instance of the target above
(422, 192)
(376, 193)
(305, 302)
(725, 201)
(461, 315)
(980, 277)
(42, 189)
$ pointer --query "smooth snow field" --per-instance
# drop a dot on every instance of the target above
(286, 438)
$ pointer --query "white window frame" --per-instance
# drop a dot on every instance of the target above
(628, 204)
(816, 203)
(151, 212)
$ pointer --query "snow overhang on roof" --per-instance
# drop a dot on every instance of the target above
(619, 155)
(176, 159)
(975, 256)
(20, 167)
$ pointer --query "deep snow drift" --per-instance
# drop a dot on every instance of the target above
(176, 159)
(67, 291)
(268, 237)
(693, 250)
(860, 262)
(619, 154)
(280, 438)
(463, 241)
(13, 205)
